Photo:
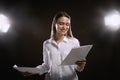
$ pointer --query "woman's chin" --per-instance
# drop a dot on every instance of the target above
(63, 34)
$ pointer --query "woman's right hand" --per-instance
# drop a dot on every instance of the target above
(26, 74)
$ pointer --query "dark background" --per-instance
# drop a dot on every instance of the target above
(31, 24)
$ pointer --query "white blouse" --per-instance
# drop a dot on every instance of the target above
(53, 55)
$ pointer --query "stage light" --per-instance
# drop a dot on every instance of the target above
(4, 23)
(112, 20)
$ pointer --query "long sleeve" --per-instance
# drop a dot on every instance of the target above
(79, 69)
(77, 44)
(46, 61)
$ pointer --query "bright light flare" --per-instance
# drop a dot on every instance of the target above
(4, 23)
(112, 21)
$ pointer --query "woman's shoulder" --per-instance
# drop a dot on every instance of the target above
(73, 39)
(47, 41)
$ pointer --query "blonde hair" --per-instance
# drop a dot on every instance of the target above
(56, 17)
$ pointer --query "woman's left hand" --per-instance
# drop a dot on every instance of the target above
(81, 63)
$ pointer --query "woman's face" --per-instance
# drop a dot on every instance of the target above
(62, 25)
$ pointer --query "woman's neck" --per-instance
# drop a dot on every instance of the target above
(58, 38)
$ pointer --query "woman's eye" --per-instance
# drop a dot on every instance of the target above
(61, 23)
(67, 24)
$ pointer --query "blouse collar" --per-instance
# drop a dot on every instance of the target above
(51, 40)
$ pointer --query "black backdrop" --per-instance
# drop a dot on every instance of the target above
(31, 24)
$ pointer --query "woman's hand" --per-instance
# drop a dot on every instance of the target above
(81, 64)
(26, 74)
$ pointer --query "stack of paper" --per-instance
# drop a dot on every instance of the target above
(76, 54)
(27, 69)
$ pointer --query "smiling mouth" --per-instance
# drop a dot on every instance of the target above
(63, 30)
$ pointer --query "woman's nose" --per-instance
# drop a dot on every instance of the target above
(64, 27)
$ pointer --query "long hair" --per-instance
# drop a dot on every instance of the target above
(55, 18)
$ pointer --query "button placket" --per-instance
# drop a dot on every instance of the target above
(60, 59)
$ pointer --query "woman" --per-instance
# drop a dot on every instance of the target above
(57, 48)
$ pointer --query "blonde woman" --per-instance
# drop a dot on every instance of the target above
(57, 48)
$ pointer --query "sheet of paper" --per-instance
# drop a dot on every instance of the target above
(76, 54)
(27, 69)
